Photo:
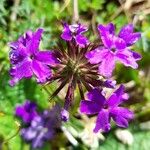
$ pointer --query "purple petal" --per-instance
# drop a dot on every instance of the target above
(29, 105)
(19, 111)
(107, 65)
(128, 36)
(107, 34)
(46, 57)
(41, 71)
(22, 70)
(97, 55)
(107, 40)
(123, 112)
(103, 121)
(13, 45)
(136, 55)
(66, 35)
(33, 45)
(116, 98)
(133, 38)
(89, 107)
(125, 31)
(81, 29)
(121, 116)
(81, 40)
(127, 58)
(119, 43)
(22, 40)
(96, 96)
(110, 28)
(121, 122)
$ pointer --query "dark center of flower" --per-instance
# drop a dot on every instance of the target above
(74, 70)
(105, 106)
(113, 49)
(32, 57)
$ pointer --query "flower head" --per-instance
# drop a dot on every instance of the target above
(116, 48)
(41, 127)
(74, 32)
(106, 109)
(27, 112)
(27, 60)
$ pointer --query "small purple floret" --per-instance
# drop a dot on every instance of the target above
(75, 31)
(64, 115)
(106, 109)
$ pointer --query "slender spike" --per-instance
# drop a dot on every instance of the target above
(69, 49)
(81, 90)
(94, 82)
(68, 98)
(52, 79)
(87, 86)
(64, 82)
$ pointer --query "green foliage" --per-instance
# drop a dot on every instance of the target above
(141, 142)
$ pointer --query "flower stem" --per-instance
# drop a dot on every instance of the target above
(75, 11)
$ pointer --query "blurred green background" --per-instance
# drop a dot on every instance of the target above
(17, 16)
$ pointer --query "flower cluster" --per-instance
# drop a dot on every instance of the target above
(38, 127)
(77, 64)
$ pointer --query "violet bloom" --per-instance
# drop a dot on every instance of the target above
(64, 115)
(27, 112)
(43, 127)
(116, 48)
(75, 32)
(106, 109)
(27, 60)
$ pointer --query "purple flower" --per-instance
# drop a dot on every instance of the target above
(27, 112)
(27, 60)
(64, 115)
(42, 127)
(116, 48)
(75, 32)
(106, 109)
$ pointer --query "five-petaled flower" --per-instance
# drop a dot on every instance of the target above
(74, 32)
(106, 109)
(116, 48)
(26, 59)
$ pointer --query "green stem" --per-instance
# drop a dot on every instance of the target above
(75, 11)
